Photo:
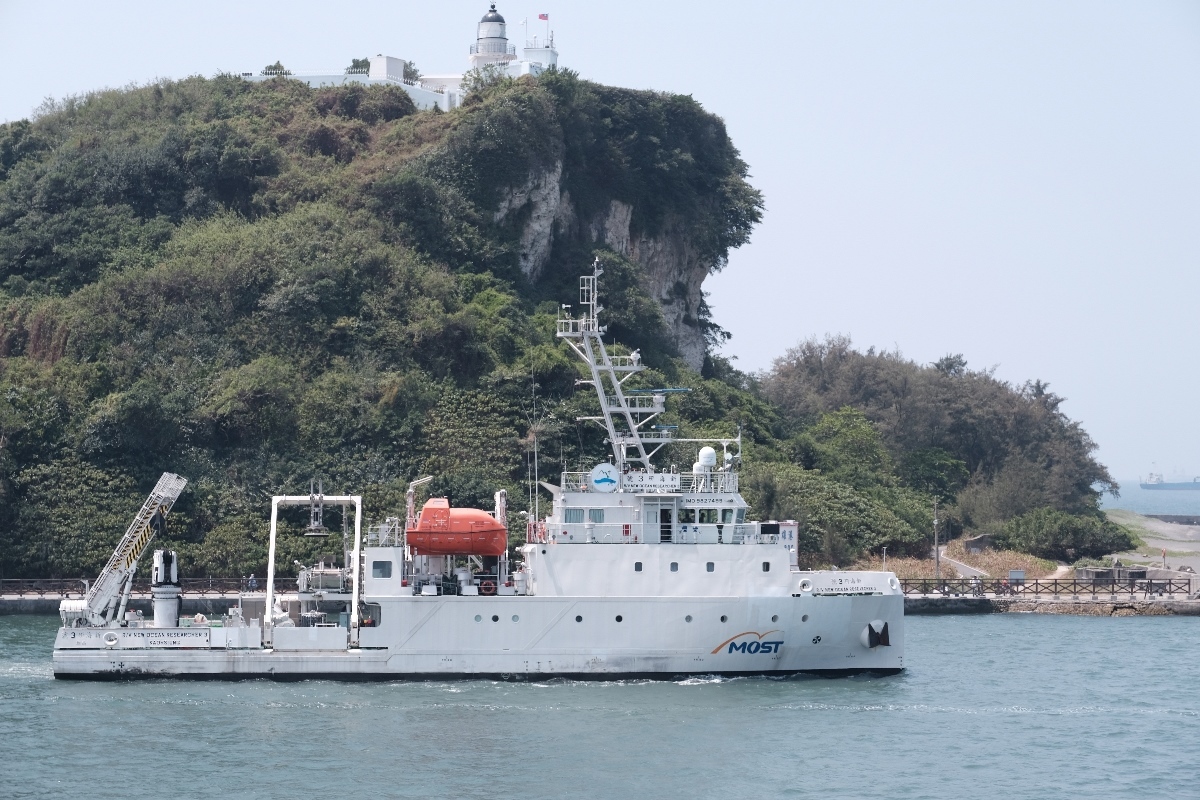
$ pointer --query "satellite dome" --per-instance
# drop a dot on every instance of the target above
(708, 457)
(492, 16)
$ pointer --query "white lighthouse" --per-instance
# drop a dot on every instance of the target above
(491, 46)
(444, 90)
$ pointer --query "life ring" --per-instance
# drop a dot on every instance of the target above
(487, 587)
(111, 639)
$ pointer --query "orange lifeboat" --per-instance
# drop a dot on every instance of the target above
(445, 531)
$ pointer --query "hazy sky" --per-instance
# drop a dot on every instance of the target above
(1018, 182)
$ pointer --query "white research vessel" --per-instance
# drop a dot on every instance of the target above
(635, 573)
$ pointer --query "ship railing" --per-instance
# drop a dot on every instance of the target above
(67, 588)
(689, 482)
(577, 327)
(1146, 589)
(638, 402)
(649, 533)
(386, 534)
(716, 482)
(626, 363)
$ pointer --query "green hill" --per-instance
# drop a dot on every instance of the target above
(252, 284)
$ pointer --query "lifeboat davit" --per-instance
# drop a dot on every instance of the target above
(445, 531)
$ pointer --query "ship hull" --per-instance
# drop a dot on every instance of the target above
(1190, 486)
(438, 638)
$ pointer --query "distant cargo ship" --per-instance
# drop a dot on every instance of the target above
(1155, 481)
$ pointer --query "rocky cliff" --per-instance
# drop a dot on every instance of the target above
(672, 266)
(651, 177)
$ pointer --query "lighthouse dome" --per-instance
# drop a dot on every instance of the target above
(492, 15)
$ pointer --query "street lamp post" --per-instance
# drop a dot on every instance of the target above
(937, 551)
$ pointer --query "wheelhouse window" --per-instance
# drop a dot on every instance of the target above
(595, 515)
(674, 566)
(727, 516)
(741, 516)
(637, 566)
(687, 516)
(708, 516)
(381, 569)
(573, 515)
(710, 566)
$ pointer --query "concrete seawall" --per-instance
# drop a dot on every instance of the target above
(1087, 608)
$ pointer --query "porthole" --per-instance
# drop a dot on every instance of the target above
(674, 566)
(495, 618)
(619, 617)
(804, 618)
(543, 552)
(688, 618)
(774, 618)
(578, 618)
(637, 566)
(724, 618)
(478, 618)
(710, 566)
(516, 618)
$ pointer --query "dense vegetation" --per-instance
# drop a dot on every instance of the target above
(252, 284)
(1004, 460)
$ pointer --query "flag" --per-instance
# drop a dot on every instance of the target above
(544, 16)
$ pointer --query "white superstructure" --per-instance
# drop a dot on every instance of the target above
(636, 572)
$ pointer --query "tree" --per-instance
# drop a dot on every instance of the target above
(480, 79)
(276, 69)
(358, 66)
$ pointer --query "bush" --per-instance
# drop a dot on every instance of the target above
(1054, 534)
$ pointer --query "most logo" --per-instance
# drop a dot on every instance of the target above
(749, 642)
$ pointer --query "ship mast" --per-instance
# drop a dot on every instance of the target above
(624, 414)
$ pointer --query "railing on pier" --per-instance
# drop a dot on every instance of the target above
(1054, 589)
(41, 587)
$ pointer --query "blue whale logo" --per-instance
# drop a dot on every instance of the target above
(604, 479)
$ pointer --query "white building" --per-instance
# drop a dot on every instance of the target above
(491, 51)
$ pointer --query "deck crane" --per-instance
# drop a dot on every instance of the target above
(105, 601)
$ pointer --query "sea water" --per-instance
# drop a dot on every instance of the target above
(1183, 502)
(990, 706)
